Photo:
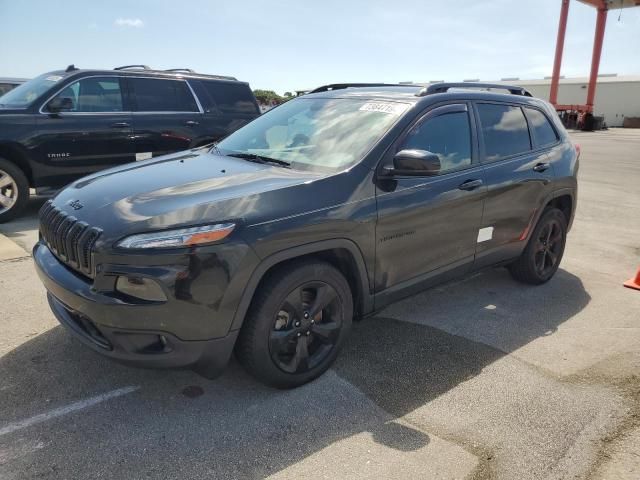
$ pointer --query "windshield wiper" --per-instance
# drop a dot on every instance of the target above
(209, 147)
(252, 157)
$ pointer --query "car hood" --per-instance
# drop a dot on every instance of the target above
(186, 188)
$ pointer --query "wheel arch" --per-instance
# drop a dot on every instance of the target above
(564, 203)
(564, 199)
(15, 154)
(343, 254)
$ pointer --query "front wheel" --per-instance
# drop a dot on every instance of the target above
(296, 324)
(14, 190)
(542, 255)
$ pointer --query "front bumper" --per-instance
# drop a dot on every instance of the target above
(136, 334)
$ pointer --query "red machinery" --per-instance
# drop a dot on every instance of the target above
(583, 113)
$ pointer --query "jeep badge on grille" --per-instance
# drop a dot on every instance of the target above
(75, 204)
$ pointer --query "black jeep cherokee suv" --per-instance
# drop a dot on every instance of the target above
(66, 124)
(327, 207)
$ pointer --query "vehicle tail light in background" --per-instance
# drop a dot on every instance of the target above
(578, 150)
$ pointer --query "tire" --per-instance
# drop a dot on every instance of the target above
(542, 255)
(14, 190)
(282, 324)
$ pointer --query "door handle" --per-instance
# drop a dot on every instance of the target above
(470, 184)
(541, 167)
(120, 125)
(191, 123)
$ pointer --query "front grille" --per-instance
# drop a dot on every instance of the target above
(69, 239)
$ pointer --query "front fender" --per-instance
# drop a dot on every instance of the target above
(289, 254)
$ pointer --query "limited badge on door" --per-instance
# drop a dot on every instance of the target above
(143, 156)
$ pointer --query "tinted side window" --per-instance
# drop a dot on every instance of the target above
(504, 129)
(448, 135)
(543, 132)
(231, 97)
(96, 94)
(154, 95)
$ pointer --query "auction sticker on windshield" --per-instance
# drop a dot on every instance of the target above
(384, 107)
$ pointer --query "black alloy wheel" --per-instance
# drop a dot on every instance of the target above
(306, 327)
(548, 247)
(297, 322)
(541, 257)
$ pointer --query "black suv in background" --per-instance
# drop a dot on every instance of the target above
(331, 205)
(66, 124)
(7, 84)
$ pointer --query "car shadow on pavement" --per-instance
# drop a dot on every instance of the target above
(179, 425)
(447, 335)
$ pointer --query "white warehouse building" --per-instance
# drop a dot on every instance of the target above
(617, 97)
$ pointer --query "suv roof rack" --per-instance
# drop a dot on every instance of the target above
(173, 70)
(444, 87)
(138, 67)
(339, 86)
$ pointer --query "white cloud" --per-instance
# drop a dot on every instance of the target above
(129, 22)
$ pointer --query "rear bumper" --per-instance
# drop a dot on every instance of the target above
(107, 325)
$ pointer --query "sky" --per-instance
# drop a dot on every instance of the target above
(287, 45)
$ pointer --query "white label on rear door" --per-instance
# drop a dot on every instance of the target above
(485, 234)
(143, 156)
(384, 107)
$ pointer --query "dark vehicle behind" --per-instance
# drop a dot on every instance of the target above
(66, 124)
(9, 83)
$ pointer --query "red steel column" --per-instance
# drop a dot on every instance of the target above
(557, 61)
(601, 22)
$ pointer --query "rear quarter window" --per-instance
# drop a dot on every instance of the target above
(504, 130)
(543, 132)
(227, 97)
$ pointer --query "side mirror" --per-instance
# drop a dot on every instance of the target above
(60, 104)
(415, 162)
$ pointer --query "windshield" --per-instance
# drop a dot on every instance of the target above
(23, 95)
(315, 133)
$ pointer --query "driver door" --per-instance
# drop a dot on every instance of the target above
(428, 225)
(93, 131)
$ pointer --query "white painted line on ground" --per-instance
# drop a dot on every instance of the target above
(58, 412)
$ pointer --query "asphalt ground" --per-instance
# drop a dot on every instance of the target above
(479, 378)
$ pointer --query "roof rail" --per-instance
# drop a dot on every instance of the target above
(173, 70)
(138, 67)
(222, 77)
(444, 87)
(340, 86)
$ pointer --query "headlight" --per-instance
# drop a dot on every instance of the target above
(182, 237)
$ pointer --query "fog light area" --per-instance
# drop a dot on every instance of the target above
(140, 287)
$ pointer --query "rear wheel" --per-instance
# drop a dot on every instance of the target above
(14, 190)
(541, 257)
(296, 324)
